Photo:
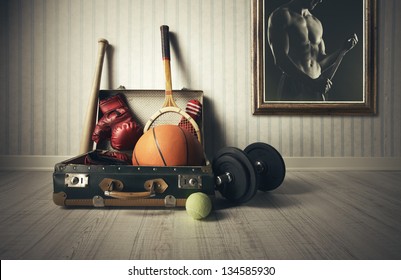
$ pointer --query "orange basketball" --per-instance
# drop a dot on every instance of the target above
(168, 145)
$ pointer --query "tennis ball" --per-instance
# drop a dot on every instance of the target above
(198, 205)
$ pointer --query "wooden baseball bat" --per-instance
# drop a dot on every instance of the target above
(90, 118)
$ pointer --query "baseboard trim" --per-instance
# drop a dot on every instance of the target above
(343, 163)
(30, 162)
(46, 163)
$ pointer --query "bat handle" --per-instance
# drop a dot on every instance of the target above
(90, 118)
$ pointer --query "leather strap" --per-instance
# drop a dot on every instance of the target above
(180, 202)
(114, 187)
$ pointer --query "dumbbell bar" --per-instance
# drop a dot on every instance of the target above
(240, 174)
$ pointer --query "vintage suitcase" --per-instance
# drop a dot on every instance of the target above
(78, 184)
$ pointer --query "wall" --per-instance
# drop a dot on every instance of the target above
(47, 60)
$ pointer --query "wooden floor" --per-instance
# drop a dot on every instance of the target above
(313, 215)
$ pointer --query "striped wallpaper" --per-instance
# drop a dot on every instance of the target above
(47, 56)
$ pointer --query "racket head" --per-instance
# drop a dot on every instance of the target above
(171, 115)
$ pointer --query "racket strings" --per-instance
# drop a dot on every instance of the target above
(193, 109)
(167, 118)
(189, 120)
(185, 124)
(175, 118)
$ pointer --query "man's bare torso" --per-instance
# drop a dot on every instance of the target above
(305, 43)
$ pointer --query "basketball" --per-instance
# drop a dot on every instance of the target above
(168, 145)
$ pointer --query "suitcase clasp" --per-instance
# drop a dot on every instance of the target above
(74, 180)
(190, 182)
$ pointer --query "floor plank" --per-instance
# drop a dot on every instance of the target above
(313, 215)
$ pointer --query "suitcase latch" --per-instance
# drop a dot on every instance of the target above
(189, 182)
(73, 180)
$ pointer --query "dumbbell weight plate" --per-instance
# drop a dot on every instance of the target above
(269, 165)
(242, 186)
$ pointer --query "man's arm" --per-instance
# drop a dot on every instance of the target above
(328, 61)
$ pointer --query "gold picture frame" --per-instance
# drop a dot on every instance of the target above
(353, 92)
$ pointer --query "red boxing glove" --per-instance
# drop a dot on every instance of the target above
(117, 124)
(107, 158)
(124, 135)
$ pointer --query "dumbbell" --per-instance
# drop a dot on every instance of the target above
(240, 174)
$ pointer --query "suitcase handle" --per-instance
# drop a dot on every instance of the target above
(129, 195)
(113, 188)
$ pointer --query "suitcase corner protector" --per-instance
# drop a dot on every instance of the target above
(59, 198)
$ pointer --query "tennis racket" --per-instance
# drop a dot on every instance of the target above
(170, 113)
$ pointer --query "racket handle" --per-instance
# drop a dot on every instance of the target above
(164, 29)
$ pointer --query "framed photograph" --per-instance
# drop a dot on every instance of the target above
(314, 57)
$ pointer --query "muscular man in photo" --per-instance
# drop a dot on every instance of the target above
(295, 37)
